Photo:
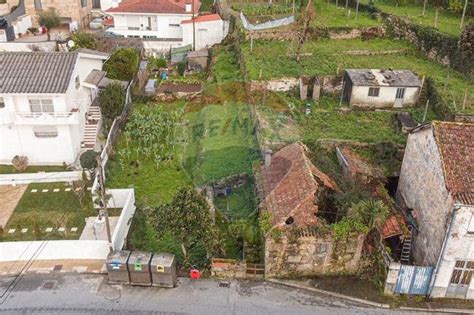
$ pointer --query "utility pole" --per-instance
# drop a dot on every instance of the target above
(194, 26)
(463, 14)
(103, 198)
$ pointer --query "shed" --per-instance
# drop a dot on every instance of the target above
(379, 88)
(197, 60)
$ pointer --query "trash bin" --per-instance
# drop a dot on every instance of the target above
(117, 266)
(163, 270)
(139, 268)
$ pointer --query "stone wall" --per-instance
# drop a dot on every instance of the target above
(311, 255)
(329, 84)
(65, 8)
(421, 187)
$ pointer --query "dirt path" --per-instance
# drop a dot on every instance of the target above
(9, 197)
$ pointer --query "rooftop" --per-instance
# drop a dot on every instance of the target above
(203, 18)
(291, 185)
(36, 72)
(456, 146)
(155, 6)
(382, 77)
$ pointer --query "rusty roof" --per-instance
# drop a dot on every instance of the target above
(291, 184)
(456, 146)
(391, 226)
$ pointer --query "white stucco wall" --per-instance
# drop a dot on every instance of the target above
(207, 33)
(459, 246)
(360, 97)
(107, 4)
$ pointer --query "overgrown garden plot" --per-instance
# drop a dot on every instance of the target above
(272, 60)
(448, 21)
(327, 14)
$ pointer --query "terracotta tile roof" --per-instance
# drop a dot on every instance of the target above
(391, 227)
(154, 6)
(203, 18)
(456, 146)
(291, 185)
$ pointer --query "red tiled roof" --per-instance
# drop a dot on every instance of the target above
(155, 6)
(391, 227)
(456, 145)
(291, 185)
(359, 165)
(203, 18)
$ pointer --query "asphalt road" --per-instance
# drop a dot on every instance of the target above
(91, 294)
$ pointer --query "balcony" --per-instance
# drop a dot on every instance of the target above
(55, 118)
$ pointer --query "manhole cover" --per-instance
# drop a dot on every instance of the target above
(48, 285)
(58, 267)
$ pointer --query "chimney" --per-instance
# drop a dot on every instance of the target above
(189, 7)
(268, 157)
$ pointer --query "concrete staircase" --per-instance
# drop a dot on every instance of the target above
(92, 128)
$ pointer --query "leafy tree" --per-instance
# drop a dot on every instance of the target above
(111, 101)
(371, 213)
(50, 19)
(189, 223)
(84, 40)
(88, 159)
(156, 63)
(123, 64)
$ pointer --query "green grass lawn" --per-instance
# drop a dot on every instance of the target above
(327, 122)
(220, 142)
(9, 169)
(448, 22)
(225, 65)
(330, 57)
(41, 210)
(328, 15)
(240, 204)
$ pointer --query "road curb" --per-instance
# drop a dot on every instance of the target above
(437, 310)
(338, 295)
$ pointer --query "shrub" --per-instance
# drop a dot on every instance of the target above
(33, 30)
(455, 6)
(84, 40)
(123, 64)
(20, 163)
(156, 63)
(181, 67)
(89, 159)
(50, 19)
(111, 100)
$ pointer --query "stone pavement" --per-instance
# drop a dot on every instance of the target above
(14, 268)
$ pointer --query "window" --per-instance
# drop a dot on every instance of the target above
(2, 102)
(470, 226)
(45, 132)
(149, 24)
(202, 30)
(41, 105)
(130, 28)
(462, 273)
(84, 3)
(400, 93)
(38, 5)
(78, 82)
(173, 25)
(374, 92)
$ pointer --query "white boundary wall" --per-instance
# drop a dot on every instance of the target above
(42, 177)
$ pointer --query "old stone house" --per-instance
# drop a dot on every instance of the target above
(378, 88)
(436, 189)
(292, 192)
(78, 11)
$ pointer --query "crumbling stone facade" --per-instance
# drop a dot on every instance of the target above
(311, 255)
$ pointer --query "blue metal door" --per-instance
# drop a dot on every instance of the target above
(413, 280)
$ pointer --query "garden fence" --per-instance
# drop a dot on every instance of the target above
(263, 26)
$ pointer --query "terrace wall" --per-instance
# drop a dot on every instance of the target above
(49, 177)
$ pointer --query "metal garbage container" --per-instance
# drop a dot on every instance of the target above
(139, 268)
(163, 270)
(117, 266)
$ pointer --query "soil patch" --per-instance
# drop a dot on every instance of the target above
(9, 197)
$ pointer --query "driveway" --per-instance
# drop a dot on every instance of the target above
(91, 294)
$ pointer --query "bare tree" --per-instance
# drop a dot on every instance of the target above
(305, 22)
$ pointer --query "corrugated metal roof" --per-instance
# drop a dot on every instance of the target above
(381, 77)
(36, 72)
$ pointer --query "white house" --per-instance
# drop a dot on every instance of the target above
(165, 24)
(436, 187)
(107, 4)
(45, 105)
(375, 88)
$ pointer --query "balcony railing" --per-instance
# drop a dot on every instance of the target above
(27, 118)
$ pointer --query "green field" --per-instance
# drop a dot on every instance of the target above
(330, 57)
(448, 22)
(40, 210)
(328, 15)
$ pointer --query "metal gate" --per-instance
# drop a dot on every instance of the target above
(413, 280)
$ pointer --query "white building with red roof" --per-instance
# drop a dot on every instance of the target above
(167, 23)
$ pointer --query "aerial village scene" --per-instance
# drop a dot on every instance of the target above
(236, 156)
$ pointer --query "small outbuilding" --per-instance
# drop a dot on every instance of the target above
(197, 60)
(379, 88)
